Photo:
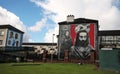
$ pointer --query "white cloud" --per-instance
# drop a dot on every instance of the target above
(103, 10)
(7, 17)
(38, 26)
(49, 35)
(26, 37)
(110, 20)
(31, 40)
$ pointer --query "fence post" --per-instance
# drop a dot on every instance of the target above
(92, 57)
(44, 56)
(66, 58)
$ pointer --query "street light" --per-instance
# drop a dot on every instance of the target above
(53, 40)
(52, 50)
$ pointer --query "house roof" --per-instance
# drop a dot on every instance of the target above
(5, 26)
(109, 33)
(78, 21)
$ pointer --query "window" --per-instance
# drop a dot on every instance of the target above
(11, 34)
(1, 32)
(103, 38)
(109, 39)
(1, 42)
(118, 39)
(16, 36)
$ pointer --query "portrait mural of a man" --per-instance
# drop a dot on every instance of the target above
(78, 39)
(82, 45)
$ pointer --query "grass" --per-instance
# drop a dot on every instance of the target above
(48, 68)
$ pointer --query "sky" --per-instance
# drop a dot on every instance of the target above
(39, 19)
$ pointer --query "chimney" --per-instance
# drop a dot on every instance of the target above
(70, 18)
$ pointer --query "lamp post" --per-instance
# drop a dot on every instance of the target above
(53, 40)
(52, 50)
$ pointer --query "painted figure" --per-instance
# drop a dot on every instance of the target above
(67, 42)
(82, 47)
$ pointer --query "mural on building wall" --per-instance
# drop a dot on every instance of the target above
(13, 39)
(66, 41)
(78, 38)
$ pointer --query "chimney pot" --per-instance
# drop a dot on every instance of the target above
(70, 18)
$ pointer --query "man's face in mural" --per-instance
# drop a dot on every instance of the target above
(83, 36)
(82, 39)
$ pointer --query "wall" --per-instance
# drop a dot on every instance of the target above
(109, 41)
(110, 59)
(3, 37)
(79, 39)
(12, 40)
(38, 48)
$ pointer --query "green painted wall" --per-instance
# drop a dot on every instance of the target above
(110, 59)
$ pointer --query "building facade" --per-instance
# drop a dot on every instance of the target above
(10, 36)
(109, 39)
(78, 36)
(11, 44)
(109, 48)
(40, 47)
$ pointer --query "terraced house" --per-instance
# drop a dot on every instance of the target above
(11, 43)
(10, 36)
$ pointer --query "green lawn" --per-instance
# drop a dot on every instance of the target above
(49, 68)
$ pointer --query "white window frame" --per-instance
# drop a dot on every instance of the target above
(1, 32)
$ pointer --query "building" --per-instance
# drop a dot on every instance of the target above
(10, 36)
(40, 47)
(109, 48)
(109, 39)
(11, 43)
(80, 33)
(43, 51)
(78, 39)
